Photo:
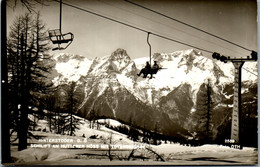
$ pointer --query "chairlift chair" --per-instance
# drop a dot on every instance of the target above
(150, 71)
(58, 38)
(62, 40)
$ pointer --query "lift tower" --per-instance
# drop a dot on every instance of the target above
(238, 63)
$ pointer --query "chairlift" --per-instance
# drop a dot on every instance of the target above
(148, 69)
(57, 38)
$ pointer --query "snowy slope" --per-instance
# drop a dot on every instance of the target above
(173, 154)
(71, 67)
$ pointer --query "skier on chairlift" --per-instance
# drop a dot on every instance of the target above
(146, 70)
(154, 69)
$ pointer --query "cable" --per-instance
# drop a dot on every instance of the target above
(180, 42)
(189, 25)
(134, 27)
(214, 43)
(249, 71)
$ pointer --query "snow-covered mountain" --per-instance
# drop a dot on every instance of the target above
(112, 89)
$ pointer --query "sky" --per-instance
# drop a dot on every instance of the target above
(234, 20)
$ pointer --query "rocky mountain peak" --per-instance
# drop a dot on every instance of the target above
(119, 60)
(119, 55)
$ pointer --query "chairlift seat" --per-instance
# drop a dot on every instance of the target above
(58, 38)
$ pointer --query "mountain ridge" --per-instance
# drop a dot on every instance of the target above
(112, 88)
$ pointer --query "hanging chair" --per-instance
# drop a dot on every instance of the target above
(148, 69)
(57, 38)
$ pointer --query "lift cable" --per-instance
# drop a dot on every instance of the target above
(134, 27)
(137, 28)
(188, 25)
(249, 71)
(190, 34)
(193, 28)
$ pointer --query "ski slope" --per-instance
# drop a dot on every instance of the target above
(173, 154)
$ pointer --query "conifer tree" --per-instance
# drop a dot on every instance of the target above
(203, 113)
(72, 103)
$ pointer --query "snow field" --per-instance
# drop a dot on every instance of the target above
(171, 152)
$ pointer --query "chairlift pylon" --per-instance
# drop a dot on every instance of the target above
(56, 36)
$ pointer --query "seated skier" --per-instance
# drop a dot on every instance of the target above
(154, 69)
(146, 70)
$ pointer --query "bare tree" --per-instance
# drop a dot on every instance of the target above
(28, 71)
(29, 4)
(5, 111)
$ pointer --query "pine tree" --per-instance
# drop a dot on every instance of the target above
(49, 105)
(249, 117)
(93, 115)
(67, 100)
(155, 135)
(202, 115)
(57, 121)
(73, 101)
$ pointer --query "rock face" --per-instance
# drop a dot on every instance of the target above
(111, 88)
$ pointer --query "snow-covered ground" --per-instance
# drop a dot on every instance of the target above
(83, 149)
